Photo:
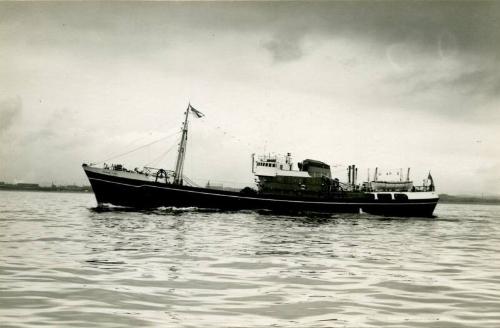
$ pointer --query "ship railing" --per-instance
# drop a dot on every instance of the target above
(189, 182)
(422, 188)
(117, 167)
(158, 174)
(226, 185)
(153, 170)
(412, 189)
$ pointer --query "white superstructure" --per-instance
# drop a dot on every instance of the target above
(274, 165)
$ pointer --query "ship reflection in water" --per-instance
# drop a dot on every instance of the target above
(64, 263)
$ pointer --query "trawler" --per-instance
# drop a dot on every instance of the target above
(281, 186)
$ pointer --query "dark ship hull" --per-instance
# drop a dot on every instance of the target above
(134, 190)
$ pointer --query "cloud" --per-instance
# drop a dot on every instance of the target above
(443, 28)
(322, 70)
(284, 48)
(10, 111)
(455, 91)
(482, 81)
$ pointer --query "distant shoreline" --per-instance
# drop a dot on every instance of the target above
(450, 199)
(32, 187)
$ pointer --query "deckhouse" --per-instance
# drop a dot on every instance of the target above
(276, 174)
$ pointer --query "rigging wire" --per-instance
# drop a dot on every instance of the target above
(142, 137)
(190, 182)
(215, 127)
(140, 147)
(157, 159)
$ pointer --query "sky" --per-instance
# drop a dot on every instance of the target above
(376, 84)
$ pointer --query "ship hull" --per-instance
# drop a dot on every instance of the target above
(133, 190)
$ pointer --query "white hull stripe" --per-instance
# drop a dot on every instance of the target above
(255, 198)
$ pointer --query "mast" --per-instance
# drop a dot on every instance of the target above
(179, 166)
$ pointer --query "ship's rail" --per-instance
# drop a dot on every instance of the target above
(153, 173)
(422, 188)
(388, 189)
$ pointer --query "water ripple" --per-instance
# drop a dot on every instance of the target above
(65, 263)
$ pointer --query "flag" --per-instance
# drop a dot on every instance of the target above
(195, 111)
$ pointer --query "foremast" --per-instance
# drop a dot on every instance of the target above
(181, 154)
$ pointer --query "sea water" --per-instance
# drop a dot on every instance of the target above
(65, 263)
